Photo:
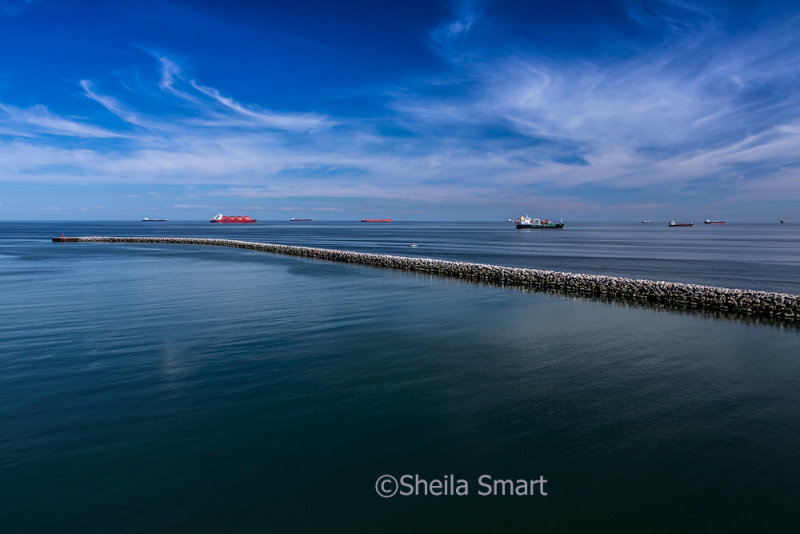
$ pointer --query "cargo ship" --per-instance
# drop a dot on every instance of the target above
(525, 222)
(295, 219)
(148, 219)
(232, 219)
(375, 220)
(709, 221)
(673, 223)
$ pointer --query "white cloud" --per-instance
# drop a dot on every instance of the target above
(169, 71)
(282, 121)
(38, 119)
(111, 104)
(466, 15)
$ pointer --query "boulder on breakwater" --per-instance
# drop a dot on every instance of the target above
(779, 307)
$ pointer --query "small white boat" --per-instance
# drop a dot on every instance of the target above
(413, 245)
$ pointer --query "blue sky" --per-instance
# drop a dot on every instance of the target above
(415, 110)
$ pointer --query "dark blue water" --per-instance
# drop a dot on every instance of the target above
(199, 389)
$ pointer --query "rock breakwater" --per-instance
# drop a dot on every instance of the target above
(778, 307)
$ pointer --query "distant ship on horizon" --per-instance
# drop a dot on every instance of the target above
(375, 220)
(148, 219)
(525, 222)
(296, 219)
(231, 219)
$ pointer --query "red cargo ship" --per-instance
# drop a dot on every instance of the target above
(232, 219)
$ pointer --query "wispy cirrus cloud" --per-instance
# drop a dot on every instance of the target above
(36, 120)
(172, 79)
(169, 72)
(697, 104)
(111, 104)
(281, 121)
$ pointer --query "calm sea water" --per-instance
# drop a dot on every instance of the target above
(198, 389)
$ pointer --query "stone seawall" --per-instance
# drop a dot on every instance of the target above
(778, 307)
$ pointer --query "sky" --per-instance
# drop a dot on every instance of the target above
(414, 110)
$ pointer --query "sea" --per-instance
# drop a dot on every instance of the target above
(187, 389)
